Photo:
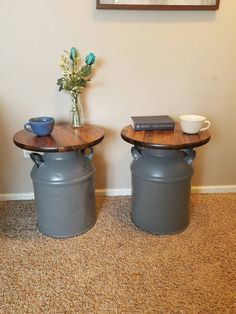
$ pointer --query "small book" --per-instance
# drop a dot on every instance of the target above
(148, 123)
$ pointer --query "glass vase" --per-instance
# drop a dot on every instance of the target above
(76, 113)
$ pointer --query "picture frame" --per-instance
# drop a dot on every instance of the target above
(158, 4)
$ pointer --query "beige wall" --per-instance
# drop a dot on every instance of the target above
(148, 62)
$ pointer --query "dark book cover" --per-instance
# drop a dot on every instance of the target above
(161, 123)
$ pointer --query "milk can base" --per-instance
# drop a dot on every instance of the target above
(67, 235)
(156, 232)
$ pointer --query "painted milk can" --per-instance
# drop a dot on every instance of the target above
(161, 184)
(64, 192)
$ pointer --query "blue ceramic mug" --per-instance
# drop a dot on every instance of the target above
(41, 126)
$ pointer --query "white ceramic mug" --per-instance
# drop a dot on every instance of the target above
(192, 124)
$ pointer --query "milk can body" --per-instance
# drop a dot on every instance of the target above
(161, 183)
(64, 193)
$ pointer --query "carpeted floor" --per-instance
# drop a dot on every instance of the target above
(117, 268)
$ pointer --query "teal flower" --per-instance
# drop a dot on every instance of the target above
(73, 53)
(90, 58)
(74, 75)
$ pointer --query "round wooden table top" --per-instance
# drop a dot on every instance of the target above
(63, 138)
(175, 139)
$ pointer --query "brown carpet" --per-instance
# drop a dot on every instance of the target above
(117, 268)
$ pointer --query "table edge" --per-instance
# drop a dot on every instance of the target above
(59, 148)
(163, 146)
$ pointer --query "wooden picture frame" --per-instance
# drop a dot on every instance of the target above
(162, 4)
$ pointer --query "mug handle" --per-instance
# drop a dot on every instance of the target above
(208, 125)
(28, 127)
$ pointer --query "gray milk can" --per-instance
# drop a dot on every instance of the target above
(64, 193)
(161, 183)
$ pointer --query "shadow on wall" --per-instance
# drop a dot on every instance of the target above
(99, 160)
(4, 158)
(200, 163)
(198, 167)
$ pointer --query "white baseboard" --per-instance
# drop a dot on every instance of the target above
(16, 196)
(194, 189)
(113, 192)
(214, 189)
(125, 192)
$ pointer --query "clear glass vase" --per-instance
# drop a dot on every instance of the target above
(76, 113)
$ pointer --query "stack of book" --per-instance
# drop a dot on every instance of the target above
(147, 123)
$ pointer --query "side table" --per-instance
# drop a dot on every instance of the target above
(161, 177)
(63, 177)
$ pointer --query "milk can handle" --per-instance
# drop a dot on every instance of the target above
(189, 155)
(37, 159)
(135, 153)
(89, 156)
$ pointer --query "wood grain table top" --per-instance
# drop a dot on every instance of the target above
(175, 139)
(62, 139)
